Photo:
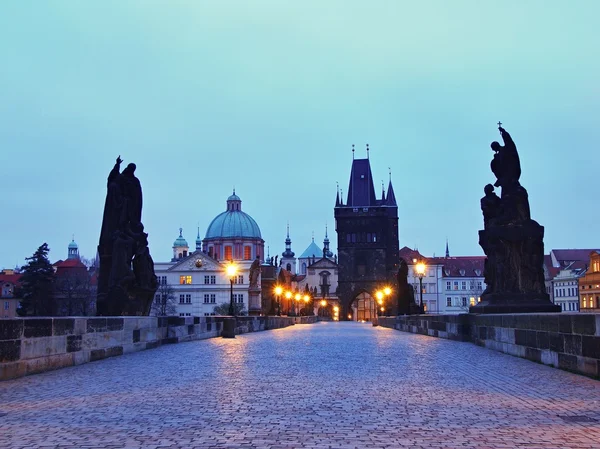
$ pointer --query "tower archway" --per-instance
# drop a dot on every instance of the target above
(363, 307)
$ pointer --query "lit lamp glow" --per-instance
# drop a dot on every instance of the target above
(231, 271)
(288, 296)
(278, 292)
(420, 269)
(298, 297)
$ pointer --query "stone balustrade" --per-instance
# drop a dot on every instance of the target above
(35, 345)
(569, 341)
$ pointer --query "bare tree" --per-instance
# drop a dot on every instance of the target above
(164, 301)
(223, 309)
(75, 295)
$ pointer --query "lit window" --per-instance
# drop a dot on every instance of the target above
(472, 301)
(247, 252)
(185, 279)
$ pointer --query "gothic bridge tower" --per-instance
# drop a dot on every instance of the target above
(367, 231)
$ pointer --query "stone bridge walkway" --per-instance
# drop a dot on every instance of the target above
(329, 385)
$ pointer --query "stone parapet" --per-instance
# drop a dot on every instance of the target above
(35, 345)
(569, 341)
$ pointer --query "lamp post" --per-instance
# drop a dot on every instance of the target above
(288, 296)
(420, 269)
(387, 291)
(306, 300)
(323, 304)
(278, 292)
(231, 272)
(297, 297)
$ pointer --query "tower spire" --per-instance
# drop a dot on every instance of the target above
(367, 151)
(352, 151)
(337, 195)
(447, 249)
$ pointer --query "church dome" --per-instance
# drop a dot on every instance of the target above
(73, 245)
(233, 222)
(180, 241)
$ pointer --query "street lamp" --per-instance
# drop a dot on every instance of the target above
(298, 297)
(420, 269)
(323, 304)
(278, 292)
(306, 299)
(231, 271)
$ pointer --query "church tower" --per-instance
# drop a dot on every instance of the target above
(288, 261)
(367, 230)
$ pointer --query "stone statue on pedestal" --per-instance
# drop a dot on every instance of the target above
(511, 240)
(126, 280)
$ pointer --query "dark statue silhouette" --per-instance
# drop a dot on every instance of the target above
(511, 240)
(126, 281)
(405, 292)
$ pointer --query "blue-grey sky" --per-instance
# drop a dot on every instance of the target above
(269, 96)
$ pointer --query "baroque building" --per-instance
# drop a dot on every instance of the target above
(198, 278)
(367, 232)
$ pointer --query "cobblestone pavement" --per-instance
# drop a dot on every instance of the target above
(329, 385)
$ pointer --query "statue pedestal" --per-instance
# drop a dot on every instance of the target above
(514, 270)
(254, 306)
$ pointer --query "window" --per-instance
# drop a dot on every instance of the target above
(374, 238)
(455, 285)
(238, 298)
(188, 314)
(472, 285)
(463, 301)
(479, 285)
(163, 280)
(448, 285)
(369, 236)
(584, 302)
(206, 314)
(188, 299)
(213, 279)
(228, 253)
(185, 279)
(471, 301)
(206, 299)
(182, 314)
(207, 279)
(247, 252)
(181, 299)
(240, 279)
(463, 285)
(213, 298)
(6, 305)
(449, 302)
(348, 238)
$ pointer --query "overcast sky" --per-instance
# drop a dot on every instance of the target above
(269, 96)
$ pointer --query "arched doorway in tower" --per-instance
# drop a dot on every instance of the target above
(363, 307)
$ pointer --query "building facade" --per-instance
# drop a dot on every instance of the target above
(9, 302)
(198, 278)
(589, 285)
(367, 233)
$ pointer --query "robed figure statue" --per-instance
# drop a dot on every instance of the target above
(126, 281)
(511, 240)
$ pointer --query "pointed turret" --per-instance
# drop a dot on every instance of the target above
(326, 252)
(198, 241)
(382, 193)
(288, 261)
(447, 249)
(288, 245)
(391, 197)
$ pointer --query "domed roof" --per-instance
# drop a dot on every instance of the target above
(233, 222)
(180, 241)
(72, 245)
